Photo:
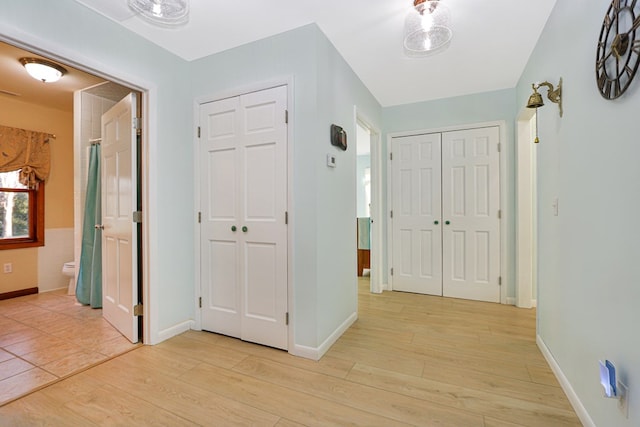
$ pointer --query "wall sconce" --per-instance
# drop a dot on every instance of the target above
(535, 100)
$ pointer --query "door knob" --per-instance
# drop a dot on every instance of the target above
(233, 228)
(436, 222)
(244, 229)
(99, 227)
(447, 222)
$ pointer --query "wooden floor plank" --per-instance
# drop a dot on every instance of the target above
(393, 405)
(408, 360)
(299, 407)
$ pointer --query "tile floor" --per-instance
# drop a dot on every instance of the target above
(49, 336)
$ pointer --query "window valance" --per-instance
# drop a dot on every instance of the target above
(26, 151)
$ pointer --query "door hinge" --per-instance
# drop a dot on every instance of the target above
(198, 131)
(391, 213)
(199, 217)
(137, 217)
(138, 310)
(286, 116)
(286, 217)
(392, 271)
(137, 123)
(499, 147)
(499, 213)
(286, 318)
(500, 280)
(390, 156)
(200, 302)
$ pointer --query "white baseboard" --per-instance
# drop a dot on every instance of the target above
(315, 353)
(165, 334)
(512, 301)
(565, 384)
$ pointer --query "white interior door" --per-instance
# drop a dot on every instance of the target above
(243, 152)
(471, 213)
(119, 200)
(446, 207)
(416, 222)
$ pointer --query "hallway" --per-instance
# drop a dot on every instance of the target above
(408, 360)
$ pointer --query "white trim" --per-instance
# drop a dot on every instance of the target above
(174, 330)
(504, 205)
(377, 213)
(315, 353)
(73, 58)
(512, 301)
(287, 81)
(582, 413)
(525, 209)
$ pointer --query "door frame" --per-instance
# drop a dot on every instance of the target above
(504, 154)
(526, 209)
(377, 213)
(230, 93)
(149, 95)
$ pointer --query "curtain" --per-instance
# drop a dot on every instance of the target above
(89, 285)
(27, 151)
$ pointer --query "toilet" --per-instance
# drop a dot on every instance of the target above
(69, 269)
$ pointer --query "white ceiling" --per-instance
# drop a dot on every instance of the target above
(491, 44)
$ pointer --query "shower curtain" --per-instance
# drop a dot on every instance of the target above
(89, 285)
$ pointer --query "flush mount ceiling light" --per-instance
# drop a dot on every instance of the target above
(166, 13)
(43, 70)
(427, 28)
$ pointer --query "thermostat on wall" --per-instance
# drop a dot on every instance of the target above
(331, 160)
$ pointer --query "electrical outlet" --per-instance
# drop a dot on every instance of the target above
(8, 267)
(623, 399)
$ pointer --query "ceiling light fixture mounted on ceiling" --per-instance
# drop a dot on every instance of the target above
(427, 28)
(43, 70)
(166, 13)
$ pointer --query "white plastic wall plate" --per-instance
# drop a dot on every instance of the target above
(331, 160)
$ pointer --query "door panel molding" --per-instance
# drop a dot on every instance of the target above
(506, 260)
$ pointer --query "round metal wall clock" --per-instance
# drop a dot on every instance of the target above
(618, 53)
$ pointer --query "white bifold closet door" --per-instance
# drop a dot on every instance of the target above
(243, 196)
(446, 214)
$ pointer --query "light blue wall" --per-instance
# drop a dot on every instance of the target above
(324, 210)
(460, 111)
(68, 30)
(339, 91)
(589, 269)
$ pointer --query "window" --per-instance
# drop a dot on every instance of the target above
(21, 213)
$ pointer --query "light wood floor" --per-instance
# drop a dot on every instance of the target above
(408, 360)
(47, 336)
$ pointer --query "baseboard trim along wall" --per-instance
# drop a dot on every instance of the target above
(566, 386)
(315, 353)
(171, 332)
(18, 293)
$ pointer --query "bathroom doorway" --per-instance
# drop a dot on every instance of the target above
(29, 321)
(369, 214)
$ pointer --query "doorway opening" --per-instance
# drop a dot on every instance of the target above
(368, 192)
(526, 219)
(28, 313)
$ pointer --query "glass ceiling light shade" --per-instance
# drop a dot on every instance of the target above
(43, 70)
(427, 28)
(166, 13)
